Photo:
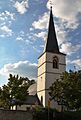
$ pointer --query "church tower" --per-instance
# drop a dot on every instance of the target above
(51, 64)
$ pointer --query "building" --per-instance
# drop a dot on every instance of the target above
(51, 64)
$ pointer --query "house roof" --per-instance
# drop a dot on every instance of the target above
(32, 90)
(32, 100)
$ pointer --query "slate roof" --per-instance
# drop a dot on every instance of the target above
(32, 89)
(32, 100)
(51, 44)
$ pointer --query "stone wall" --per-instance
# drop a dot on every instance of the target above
(15, 115)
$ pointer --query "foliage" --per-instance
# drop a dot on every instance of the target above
(4, 97)
(67, 90)
(15, 92)
(68, 115)
(42, 114)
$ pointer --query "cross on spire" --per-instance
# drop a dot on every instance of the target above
(50, 3)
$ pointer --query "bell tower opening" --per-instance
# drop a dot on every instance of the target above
(55, 62)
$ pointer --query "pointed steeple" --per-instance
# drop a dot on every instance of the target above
(52, 44)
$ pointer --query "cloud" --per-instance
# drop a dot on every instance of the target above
(7, 16)
(31, 29)
(35, 48)
(41, 35)
(42, 22)
(2, 36)
(23, 52)
(67, 10)
(19, 38)
(24, 37)
(77, 63)
(6, 19)
(22, 68)
(21, 6)
(62, 35)
(42, 46)
(66, 20)
(11, 15)
(68, 61)
(6, 30)
(69, 48)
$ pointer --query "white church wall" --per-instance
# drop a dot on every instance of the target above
(41, 82)
(41, 88)
(42, 94)
(41, 69)
(50, 78)
(47, 75)
(42, 59)
(53, 73)
(41, 78)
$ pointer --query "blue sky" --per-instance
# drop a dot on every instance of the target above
(23, 32)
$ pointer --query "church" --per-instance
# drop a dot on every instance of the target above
(51, 64)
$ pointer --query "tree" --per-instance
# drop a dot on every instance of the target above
(17, 87)
(4, 97)
(15, 92)
(67, 90)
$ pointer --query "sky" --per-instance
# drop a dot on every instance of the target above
(23, 33)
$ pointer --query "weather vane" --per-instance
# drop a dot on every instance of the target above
(50, 3)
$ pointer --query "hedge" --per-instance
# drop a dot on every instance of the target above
(44, 113)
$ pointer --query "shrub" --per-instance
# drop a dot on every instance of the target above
(42, 114)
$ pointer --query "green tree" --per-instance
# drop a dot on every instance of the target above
(18, 88)
(4, 97)
(15, 92)
(67, 90)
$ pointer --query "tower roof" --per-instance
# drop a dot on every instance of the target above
(52, 44)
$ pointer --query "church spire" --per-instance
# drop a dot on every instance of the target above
(52, 44)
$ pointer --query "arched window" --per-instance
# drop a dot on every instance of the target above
(55, 62)
(41, 99)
